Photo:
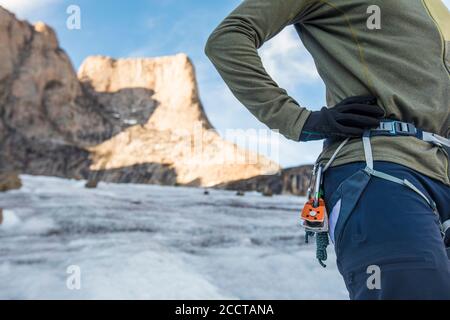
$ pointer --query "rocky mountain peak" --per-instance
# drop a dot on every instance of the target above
(124, 120)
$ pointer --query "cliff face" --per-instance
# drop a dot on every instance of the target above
(45, 118)
(293, 181)
(9, 181)
(131, 120)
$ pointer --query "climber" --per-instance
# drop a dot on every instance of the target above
(387, 190)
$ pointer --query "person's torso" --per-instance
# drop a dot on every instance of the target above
(397, 50)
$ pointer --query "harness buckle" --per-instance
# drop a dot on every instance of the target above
(446, 235)
(446, 232)
(397, 128)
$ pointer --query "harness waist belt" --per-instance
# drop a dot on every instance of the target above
(398, 128)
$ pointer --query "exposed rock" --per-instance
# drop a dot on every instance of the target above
(149, 173)
(177, 124)
(91, 184)
(46, 120)
(267, 192)
(1, 216)
(9, 181)
(296, 180)
(290, 181)
(129, 120)
(41, 97)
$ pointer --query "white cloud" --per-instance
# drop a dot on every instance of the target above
(447, 3)
(287, 60)
(23, 7)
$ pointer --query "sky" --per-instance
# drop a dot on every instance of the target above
(150, 28)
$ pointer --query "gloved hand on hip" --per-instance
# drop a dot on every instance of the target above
(349, 118)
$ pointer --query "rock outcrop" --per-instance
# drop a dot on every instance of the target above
(130, 120)
(293, 181)
(9, 181)
(160, 96)
(46, 119)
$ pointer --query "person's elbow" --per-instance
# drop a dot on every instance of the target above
(230, 36)
(212, 47)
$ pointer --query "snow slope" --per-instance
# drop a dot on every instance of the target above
(151, 242)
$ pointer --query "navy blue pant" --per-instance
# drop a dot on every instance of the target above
(392, 228)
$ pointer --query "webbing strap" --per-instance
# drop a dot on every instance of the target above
(403, 182)
(435, 139)
(335, 154)
(368, 150)
(370, 170)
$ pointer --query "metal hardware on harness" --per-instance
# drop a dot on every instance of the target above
(446, 232)
(446, 236)
(398, 128)
(314, 214)
(435, 139)
(313, 175)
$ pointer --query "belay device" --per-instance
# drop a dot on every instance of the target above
(314, 214)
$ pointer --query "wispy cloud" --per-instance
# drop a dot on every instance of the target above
(287, 60)
(23, 7)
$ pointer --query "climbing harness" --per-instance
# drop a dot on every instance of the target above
(314, 216)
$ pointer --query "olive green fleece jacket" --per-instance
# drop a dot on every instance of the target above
(405, 64)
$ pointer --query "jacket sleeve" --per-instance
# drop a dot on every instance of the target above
(232, 48)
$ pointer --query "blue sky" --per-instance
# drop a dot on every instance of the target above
(148, 28)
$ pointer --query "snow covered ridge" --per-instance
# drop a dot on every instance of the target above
(151, 242)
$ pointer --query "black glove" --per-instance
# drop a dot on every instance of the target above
(350, 118)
